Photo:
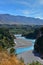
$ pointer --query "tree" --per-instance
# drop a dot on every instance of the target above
(6, 38)
(12, 50)
(38, 46)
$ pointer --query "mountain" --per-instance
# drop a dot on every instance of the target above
(11, 19)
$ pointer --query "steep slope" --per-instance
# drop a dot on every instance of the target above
(6, 59)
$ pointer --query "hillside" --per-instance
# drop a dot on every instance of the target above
(11, 19)
(7, 41)
(6, 59)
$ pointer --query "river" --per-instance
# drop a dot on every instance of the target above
(24, 48)
(23, 44)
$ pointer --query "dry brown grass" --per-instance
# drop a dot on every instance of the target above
(7, 59)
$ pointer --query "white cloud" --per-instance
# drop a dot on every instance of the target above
(25, 12)
(23, 3)
(38, 15)
(40, 2)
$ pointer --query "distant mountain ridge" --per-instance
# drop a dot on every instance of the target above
(11, 19)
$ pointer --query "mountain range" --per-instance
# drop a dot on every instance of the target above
(11, 19)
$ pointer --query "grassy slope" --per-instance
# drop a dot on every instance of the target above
(7, 59)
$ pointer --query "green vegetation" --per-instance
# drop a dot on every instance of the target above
(7, 41)
(38, 47)
(23, 29)
(22, 60)
(35, 63)
(6, 38)
(12, 51)
(32, 35)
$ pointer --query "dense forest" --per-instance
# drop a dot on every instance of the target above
(6, 38)
(38, 46)
(21, 29)
(32, 35)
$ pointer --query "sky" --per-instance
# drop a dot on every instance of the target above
(28, 8)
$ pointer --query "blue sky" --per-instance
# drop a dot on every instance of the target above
(29, 8)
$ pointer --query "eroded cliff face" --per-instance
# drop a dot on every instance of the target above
(7, 59)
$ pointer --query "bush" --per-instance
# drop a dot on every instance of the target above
(35, 63)
(6, 38)
(12, 50)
